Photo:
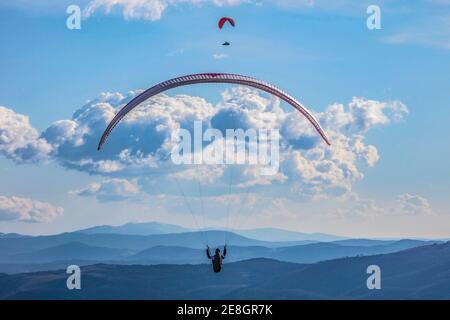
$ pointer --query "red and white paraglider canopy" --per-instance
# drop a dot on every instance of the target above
(212, 78)
(223, 20)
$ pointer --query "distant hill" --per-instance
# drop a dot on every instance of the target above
(143, 229)
(263, 234)
(308, 253)
(11, 235)
(70, 251)
(363, 242)
(9, 246)
(274, 234)
(418, 273)
(316, 252)
(169, 255)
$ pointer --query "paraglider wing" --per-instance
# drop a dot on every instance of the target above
(225, 19)
(211, 78)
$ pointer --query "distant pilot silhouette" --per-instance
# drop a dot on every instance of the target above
(217, 259)
(226, 43)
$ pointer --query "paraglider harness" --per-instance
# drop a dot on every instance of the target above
(217, 258)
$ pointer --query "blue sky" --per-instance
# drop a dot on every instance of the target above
(320, 52)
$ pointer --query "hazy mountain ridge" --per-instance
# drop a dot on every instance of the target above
(20, 253)
(418, 273)
(275, 234)
(70, 251)
(262, 234)
(79, 253)
(121, 241)
(133, 228)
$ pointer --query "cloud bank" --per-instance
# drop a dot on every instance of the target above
(135, 163)
(413, 205)
(140, 145)
(110, 190)
(148, 9)
(27, 210)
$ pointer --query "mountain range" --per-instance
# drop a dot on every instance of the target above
(84, 247)
(418, 273)
(263, 234)
(134, 228)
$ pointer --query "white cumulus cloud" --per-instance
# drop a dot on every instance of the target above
(220, 56)
(141, 144)
(19, 141)
(147, 9)
(27, 210)
(110, 190)
(413, 205)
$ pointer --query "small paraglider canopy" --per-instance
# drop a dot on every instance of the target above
(226, 43)
(223, 20)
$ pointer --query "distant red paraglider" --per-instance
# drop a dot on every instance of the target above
(223, 20)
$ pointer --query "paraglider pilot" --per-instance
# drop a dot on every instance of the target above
(217, 259)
